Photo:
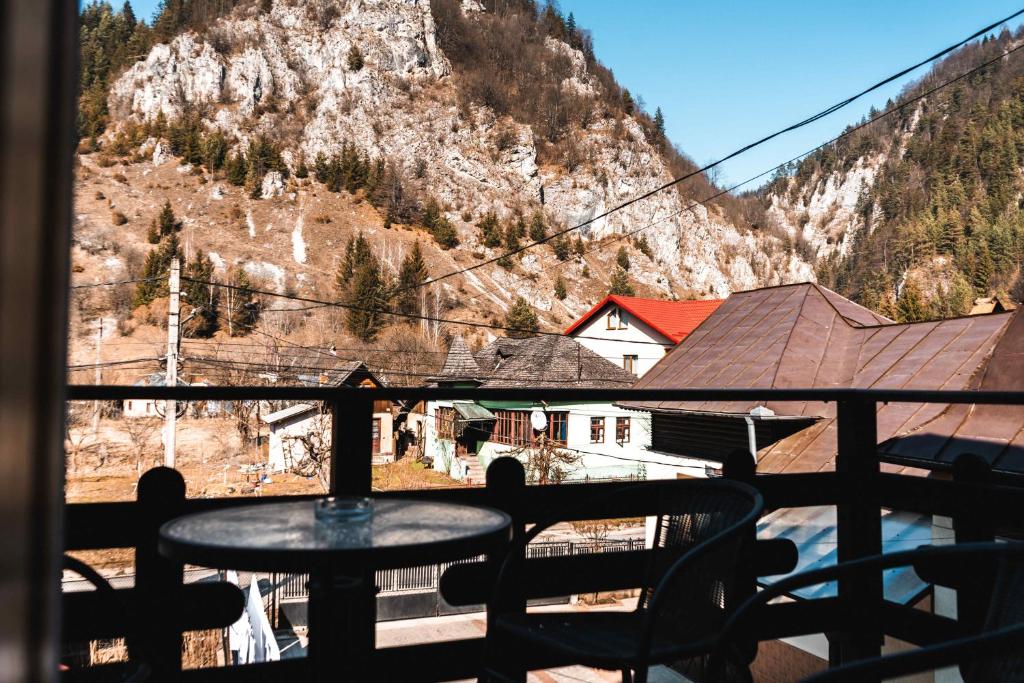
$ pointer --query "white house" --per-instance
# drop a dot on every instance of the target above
(602, 441)
(298, 428)
(635, 333)
(147, 407)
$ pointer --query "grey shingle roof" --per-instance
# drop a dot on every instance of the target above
(547, 361)
(459, 364)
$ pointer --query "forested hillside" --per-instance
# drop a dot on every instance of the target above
(938, 220)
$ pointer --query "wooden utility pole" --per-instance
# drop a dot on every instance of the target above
(99, 376)
(171, 406)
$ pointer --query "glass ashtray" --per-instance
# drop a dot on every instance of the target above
(342, 508)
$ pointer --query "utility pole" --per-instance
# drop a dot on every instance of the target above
(171, 406)
(99, 376)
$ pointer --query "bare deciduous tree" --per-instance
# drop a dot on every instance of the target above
(140, 431)
(311, 450)
(546, 463)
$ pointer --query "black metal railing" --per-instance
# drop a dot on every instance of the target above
(980, 506)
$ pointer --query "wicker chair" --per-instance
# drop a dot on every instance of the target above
(990, 651)
(703, 530)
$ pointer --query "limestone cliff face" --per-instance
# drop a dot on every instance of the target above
(286, 73)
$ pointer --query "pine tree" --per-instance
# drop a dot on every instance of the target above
(411, 276)
(560, 292)
(431, 214)
(620, 284)
(982, 274)
(490, 230)
(659, 123)
(579, 247)
(627, 102)
(202, 298)
(521, 319)
(243, 309)
(167, 223)
(215, 151)
(236, 169)
(538, 230)
(302, 171)
(560, 246)
(622, 259)
(910, 307)
(952, 233)
(445, 234)
(155, 270)
(357, 251)
(368, 300)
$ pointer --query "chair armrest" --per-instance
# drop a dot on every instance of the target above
(838, 571)
(929, 658)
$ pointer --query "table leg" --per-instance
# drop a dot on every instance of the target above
(342, 626)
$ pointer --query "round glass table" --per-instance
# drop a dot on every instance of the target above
(340, 556)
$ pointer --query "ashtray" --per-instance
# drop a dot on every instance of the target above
(338, 508)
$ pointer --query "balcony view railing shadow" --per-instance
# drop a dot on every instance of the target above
(982, 504)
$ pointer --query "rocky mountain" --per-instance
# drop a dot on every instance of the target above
(311, 78)
(917, 214)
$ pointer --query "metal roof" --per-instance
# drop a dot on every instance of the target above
(805, 336)
(472, 412)
(286, 413)
(672, 319)
(813, 530)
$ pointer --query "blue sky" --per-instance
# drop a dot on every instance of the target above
(727, 72)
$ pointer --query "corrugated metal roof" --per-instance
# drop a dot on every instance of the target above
(813, 530)
(470, 411)
(672, 319)
(805, 336)
(286, 413)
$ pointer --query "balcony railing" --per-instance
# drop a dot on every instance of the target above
(981, 508)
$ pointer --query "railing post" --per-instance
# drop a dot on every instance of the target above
(740, 466)
(973, 524)
(506, 480)
(859, 527)
(351, 445)
(155, 618)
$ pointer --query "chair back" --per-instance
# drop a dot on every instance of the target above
(700, 539)
(1005, 609)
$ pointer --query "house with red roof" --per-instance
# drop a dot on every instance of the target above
(635, 333)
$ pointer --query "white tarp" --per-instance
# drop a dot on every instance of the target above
(251, 639)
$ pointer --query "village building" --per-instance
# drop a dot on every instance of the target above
(147, 407)
(598, 439)
(635, 333)
(298, 430)
(806, 336)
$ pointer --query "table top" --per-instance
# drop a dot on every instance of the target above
(287, 536)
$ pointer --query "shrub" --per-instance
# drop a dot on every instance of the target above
(355, 58)
(118, 218)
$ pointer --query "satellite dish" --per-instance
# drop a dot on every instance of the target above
(539, 420)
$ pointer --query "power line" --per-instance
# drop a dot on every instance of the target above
(811, 119)
(117, 282)
(411, 316)
(849, 131)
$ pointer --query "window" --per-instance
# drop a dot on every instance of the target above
(558, 428)
(444, 422)
(622, 430)
(512, 427)
(629, 363)
(376, 435)
(616, 321)
(597, 430)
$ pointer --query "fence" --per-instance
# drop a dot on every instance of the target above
(979, 503)
(293, 587)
